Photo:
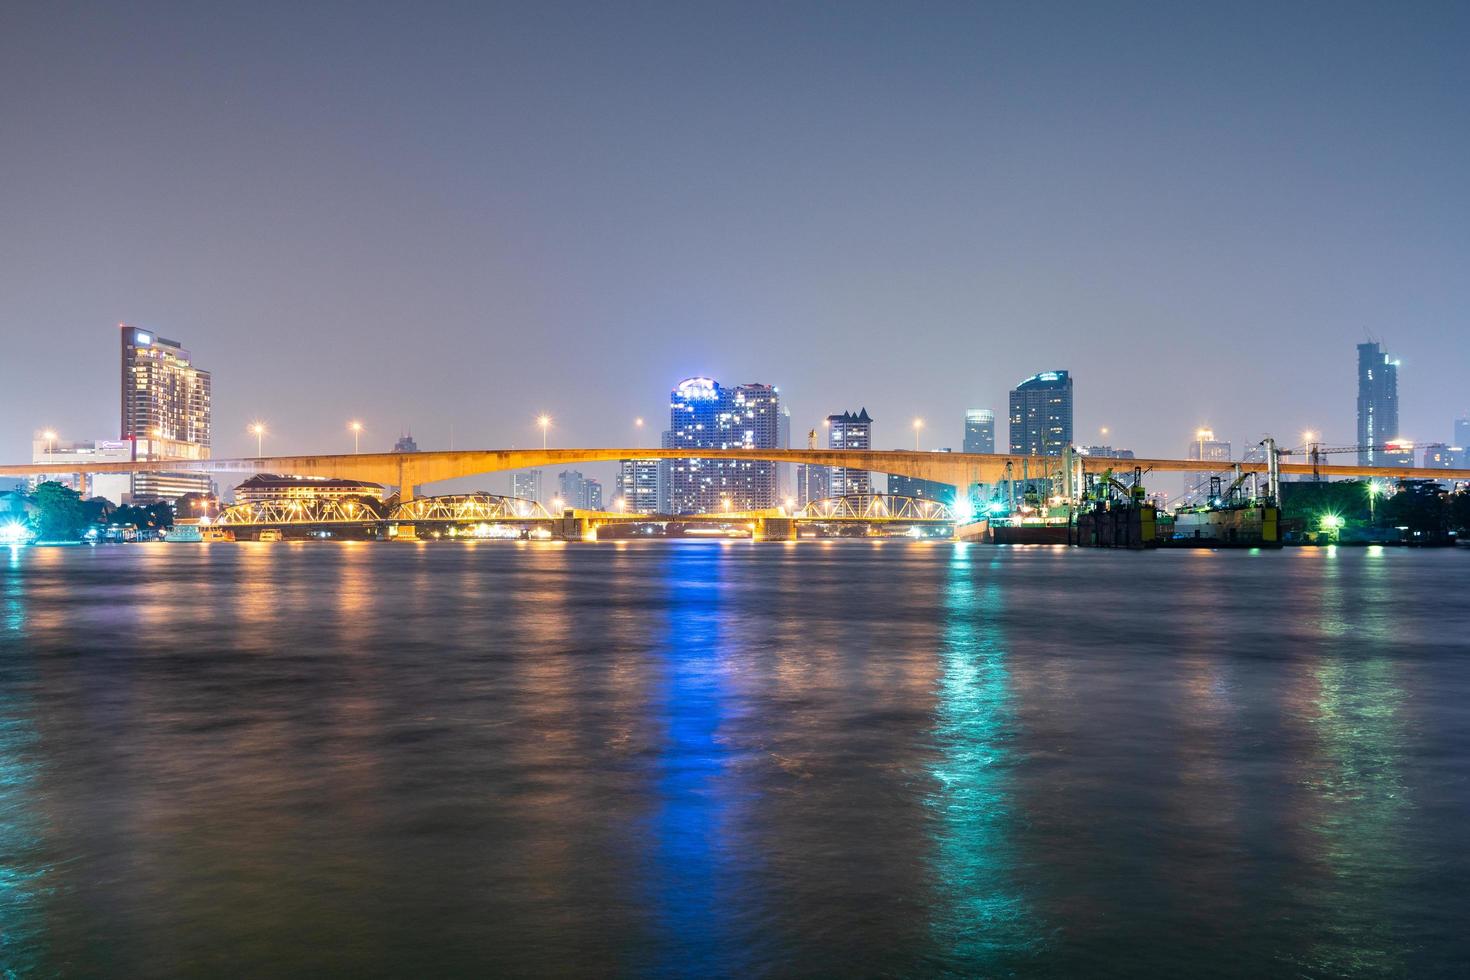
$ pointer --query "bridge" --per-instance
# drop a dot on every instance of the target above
(484, 510)
(410, 470)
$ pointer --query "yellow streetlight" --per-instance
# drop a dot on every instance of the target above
(918, 427)
(50, 436)
(356, 428)
(544, 421)
(258, 430)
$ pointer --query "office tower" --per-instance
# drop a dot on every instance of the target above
(1440, 456)
(526, 484)
(1396, 452)
(1378, 402)
(703, 415)
(1041, 414)
(1206, 448)
(812, 483)
(849, 431)
(405, 444)
(638, 485)
(592, 493)
(785, 475)
(979, 430)
(1461, 447)
(578, 491)
(165, 412)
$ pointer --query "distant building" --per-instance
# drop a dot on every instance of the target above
(812, 483)
(979, 430)
(1207, 449)
(912, 486)
(526, 484)
(405, 444)
(638, 485)
(785, 472)
(1440, 456)
(1041, 414)
(1378, 403)
(578, 491)
(166, 412)
(1462, 432)
(1105, 452)
(264, 487)
(703, 415)
(116, 487)
(849, 431)
(1396, 452)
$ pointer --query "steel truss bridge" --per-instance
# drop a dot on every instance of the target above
(485, 508)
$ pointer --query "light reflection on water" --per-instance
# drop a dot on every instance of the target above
(716, 758)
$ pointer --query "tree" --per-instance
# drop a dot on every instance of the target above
(59, 515)
(1421, 507)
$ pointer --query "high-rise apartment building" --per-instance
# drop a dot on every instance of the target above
(166, 412)
(703, 415)
(979, 430)
(1041, 414)
(578, 491)
(1378, 403)
(638, 486)
(1205, 448)
(526, 484)
(849, 431)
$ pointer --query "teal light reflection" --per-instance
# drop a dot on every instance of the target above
(982, 920)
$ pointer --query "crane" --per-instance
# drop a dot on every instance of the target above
(1315, 451)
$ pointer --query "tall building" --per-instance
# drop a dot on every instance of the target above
(785, 476)
(849, 431)
(1041, 414)
(638, 485)
(703, 415)
(1462, 432)
(526, 484)
(166, 412)
(812, 483)
(405, 444)
(979, 430)
(578, 491)
(912, 486)
(1205, 448)
(1378, 402)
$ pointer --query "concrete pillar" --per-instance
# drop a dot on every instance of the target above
(774, 529)
(406, 532)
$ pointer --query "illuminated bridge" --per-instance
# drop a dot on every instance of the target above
(487, 510)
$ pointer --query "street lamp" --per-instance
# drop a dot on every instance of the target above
(50, 436)
(556, 504)
(622, 504)
(544, 421)
(356, 428)
(918, 426)
(258, 430)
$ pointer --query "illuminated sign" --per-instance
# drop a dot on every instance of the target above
(143, 338)
(698, 389)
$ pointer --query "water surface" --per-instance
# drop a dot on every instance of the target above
(726, 759)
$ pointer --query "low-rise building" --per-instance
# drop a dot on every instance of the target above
(264, 487)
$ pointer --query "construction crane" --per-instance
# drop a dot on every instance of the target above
(1314, 451)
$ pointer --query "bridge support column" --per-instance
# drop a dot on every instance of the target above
(405, 532)
(570, 528)
(774, 529)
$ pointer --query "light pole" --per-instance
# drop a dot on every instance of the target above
(50, 436)
(918, 427)
(356, 428)
(638, 429)
(258, 429)
(544, 421)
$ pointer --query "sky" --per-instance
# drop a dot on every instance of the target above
(448, 218)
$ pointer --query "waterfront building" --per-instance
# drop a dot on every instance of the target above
(849, 431)
(1205, 448)
(979, 430)
(1378, 403)
(116, 487)
(1041, 414)
(405, 444)
(166, 412)
(704, 415)
(638, 485)
(271, 487)
(526, 484)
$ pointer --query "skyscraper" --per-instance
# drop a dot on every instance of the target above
(979, 430)
(638, 485)
(405, 444)
(849, 431)
(1378, 402)
(1206, 448)
(703, 415)
(526, 484)
(1041, 414)
(1462, 441)
(166, 412)
(578, 491)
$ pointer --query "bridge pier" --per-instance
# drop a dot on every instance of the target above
(571, 528)
(774, 529)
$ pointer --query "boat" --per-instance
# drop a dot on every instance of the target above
(270, 534)
(183, 534)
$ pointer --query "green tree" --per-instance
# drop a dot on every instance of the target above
(59, 515)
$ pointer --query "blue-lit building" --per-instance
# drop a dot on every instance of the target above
(1041, 414)
(704, 415)
(979, 430)
(1378, 404)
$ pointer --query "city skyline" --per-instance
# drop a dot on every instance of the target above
(1015, 218)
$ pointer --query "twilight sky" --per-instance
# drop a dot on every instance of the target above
(425, 215)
